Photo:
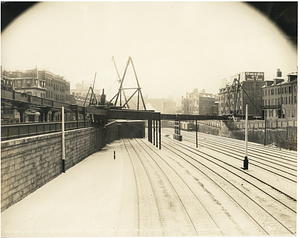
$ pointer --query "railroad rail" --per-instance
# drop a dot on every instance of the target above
(232, 201)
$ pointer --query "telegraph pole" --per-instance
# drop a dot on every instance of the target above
(246, 140)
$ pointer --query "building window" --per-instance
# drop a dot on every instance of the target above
(276, 102)
(269, 102)
(295, 99)
(272, 101)
(290, 89)
(272, 91)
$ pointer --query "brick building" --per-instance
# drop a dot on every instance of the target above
(280, 97)
(39, 83)
(57, 88)
(27, 82)
(196, 103)
(244, 88)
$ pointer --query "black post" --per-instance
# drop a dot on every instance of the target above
(156, 123)
(154, 132)
(159, 133)
(246, 163)
(21, 115)
(150, 130)
(196, 135)
(46, 115)
(63, 166)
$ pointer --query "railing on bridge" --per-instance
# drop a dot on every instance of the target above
(14, 131)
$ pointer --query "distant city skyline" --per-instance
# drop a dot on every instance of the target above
(175, 46)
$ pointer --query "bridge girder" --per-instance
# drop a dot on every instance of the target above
(107, 113)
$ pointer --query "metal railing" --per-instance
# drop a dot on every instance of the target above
(14, 131)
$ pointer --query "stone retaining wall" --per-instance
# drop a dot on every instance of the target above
(29, 163)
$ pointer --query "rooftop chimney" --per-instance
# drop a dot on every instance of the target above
(279, 73)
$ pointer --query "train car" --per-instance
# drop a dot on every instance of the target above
(184, 125)
(187, 126)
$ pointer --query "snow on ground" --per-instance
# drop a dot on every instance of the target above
(98, 197)
(93, 198)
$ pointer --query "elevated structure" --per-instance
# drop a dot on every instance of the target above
(122, 90)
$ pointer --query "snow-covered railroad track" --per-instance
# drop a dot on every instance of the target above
(281, 167)
(148, 225)
(172, 216)
(266, 210)
(201, 219)
(287, 156)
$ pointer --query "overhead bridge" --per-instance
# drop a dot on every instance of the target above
(101, 114)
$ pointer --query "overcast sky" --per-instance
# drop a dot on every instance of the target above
(175, 46)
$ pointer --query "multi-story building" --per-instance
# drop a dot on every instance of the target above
(197, 103)
(245, 88)
(57, 88)
(280, 97)
(28, 82)
(39, 83)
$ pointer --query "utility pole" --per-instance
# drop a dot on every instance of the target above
(63, 139)
(196, 134)
(246, 140)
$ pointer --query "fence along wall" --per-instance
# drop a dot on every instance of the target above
(29, 163)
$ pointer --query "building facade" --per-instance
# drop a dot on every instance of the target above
(57, 88)
(27, 82)
(280, 97)
(199, 103)
(244, 88)
(38, 83)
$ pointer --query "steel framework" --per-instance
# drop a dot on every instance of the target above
(122, 90)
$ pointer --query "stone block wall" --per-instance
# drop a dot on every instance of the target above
(282, 137)
(29, 163)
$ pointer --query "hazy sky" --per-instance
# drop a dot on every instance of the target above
(175, 46)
